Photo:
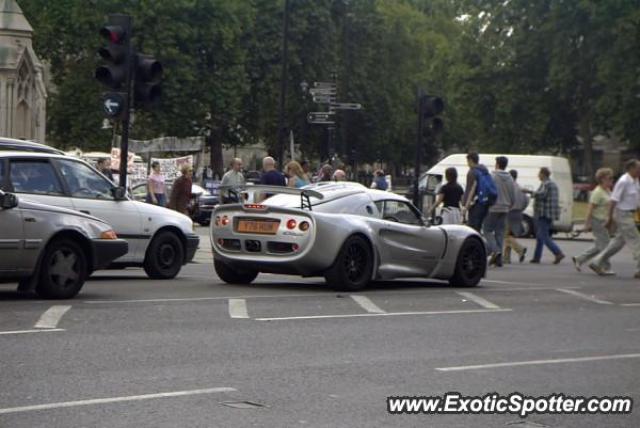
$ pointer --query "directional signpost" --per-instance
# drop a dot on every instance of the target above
(321, 117)
(327, 93)
(345, 106)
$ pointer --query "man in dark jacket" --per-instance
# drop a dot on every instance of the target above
(476, 211)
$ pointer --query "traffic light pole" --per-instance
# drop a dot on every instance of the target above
(124, 141)
(283, 86)
(416, 195)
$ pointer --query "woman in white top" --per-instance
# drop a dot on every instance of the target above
(155, 186)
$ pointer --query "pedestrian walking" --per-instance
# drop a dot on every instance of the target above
(325, 174)
(339, 175)
(495, 222)
(156, 186)
(546, 209)
(181, 191)
(270, 175)
(379, 181)
(596, 219)
(104, 166)
(450, 195)
(297, 177)
(480, 192)
(624, 202)
(232, 178)
(514, 222)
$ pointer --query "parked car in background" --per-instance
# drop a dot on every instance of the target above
(203, 201)
(160, 240)
(52, 250)
(26, 146)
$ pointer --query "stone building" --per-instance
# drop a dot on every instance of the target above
(23, 94)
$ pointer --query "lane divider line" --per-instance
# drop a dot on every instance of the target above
(366, 304)
(52, 316)
(31, 331)
(478, 300)
(386, 314)
(238, 308)
(629, 304)
(538, 362)
(113, 400)
(584, 296)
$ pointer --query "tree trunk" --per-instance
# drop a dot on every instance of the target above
(215, 150)
(587, 144)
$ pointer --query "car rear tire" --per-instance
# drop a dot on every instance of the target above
(471, 264)
(352, 269)
(233, 276)
(63, 270)
(165, 256)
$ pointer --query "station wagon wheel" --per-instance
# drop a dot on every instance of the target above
(164, 257)
(63, 270)
(471, 264)
(352, 269)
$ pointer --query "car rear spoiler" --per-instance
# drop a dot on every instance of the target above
(305, 194)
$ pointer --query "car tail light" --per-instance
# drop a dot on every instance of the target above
(295, 247)
(291, 224)
(220, 242)
(109, 234)
(255, 207)
(304, 226)
(224, 221)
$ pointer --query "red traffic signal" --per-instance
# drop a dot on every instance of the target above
(113, 33)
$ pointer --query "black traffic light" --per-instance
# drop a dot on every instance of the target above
(148, 75)
(114, 74)
(430, 109)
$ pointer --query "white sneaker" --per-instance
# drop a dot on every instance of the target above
(576, 263)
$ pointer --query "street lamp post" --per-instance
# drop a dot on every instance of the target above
(283, 83)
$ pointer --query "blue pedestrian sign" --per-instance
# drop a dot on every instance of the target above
(113, 104)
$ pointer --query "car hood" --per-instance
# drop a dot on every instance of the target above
(30, 205)
(150, 209)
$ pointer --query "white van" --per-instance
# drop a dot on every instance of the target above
(527, 166)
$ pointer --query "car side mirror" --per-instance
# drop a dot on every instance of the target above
(8, 201)
(119, 193)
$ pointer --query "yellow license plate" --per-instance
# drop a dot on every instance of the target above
(262, 227)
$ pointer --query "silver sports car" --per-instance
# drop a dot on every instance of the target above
(345, 232)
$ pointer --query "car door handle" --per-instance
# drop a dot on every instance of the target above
(30, 219)
(85, 211)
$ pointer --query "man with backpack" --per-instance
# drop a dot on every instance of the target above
(480, 192)
(494, 224)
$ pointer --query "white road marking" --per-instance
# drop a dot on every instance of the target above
(629, 304)
(113, 400)
(585, 296)
(479, 300)
(390, 314)
(196, 299)
(238, 308)
(538, 362)
(366, 304)
(52, 316)
(31, 331)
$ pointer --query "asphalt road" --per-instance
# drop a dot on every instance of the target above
(288, 352)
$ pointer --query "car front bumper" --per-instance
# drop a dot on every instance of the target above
(193, 241)
(107, 250)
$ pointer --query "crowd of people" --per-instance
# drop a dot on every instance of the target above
(493, 204)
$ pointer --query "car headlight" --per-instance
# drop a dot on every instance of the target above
(109, 234)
